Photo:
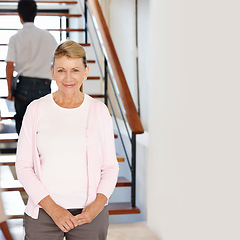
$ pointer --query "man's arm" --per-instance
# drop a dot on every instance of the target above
(9, 75)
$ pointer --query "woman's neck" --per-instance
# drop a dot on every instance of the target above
(68, 101)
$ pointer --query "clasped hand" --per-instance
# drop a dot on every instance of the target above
(89, 213)
(66, 221)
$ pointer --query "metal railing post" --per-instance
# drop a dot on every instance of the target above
(67, 25)
(85, 17)
(105, 82)
(133, 189)
(61, 31)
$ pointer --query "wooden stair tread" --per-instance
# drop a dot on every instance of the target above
(43, 14)
(97, 95)
(15, 185)
(120, 159)
(16, 209)
(82, 44)
(50, 29)
(68, 29)
(42, 1)
(122, 208)
(85, 44)
(13, 204)
(6, 174)
(93, 78)
(7, 159)
(5, 114)
(123, 182)
(88, 61)
(7, 117)
(10, 159)
(16, 216)
(91, 61)
(8, 137)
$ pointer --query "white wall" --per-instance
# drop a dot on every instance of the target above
(122, 29)
(194, 120)
(120, 17)
(143, 59)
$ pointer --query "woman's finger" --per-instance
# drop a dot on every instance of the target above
(62, 227)
(80, 219)
(74, 221)
(81, 222)
(68, 226)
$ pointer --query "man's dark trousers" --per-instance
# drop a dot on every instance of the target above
(28, 89)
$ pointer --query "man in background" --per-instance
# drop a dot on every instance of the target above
(30, 53)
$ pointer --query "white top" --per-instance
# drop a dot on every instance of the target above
(61, 141)
(31, 49)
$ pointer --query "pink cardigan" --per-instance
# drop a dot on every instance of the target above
(102, 165)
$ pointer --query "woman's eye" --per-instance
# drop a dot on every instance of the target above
(61, 70)
(75, 70)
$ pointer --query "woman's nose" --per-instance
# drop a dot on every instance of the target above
(68, 76)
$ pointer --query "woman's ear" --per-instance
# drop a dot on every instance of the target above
(52, 72)
(86, 72)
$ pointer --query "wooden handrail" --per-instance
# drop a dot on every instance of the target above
(131, 111)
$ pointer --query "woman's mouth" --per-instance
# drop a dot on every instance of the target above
(68, 85)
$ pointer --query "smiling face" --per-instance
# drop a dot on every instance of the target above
(69, 74)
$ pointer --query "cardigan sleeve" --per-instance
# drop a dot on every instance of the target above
(110, 167)
(28, 162)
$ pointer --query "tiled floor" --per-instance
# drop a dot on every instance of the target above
(131, 231)
(127, 231)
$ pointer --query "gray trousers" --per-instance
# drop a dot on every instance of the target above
(44, 228)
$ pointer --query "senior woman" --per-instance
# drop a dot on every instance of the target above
(66, 158)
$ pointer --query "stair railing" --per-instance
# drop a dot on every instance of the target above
(112, 73)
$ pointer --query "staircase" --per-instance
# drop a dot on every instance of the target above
(83, 22)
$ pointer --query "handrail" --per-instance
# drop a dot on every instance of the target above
(111, 55)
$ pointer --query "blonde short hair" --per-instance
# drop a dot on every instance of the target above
(71, 49)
